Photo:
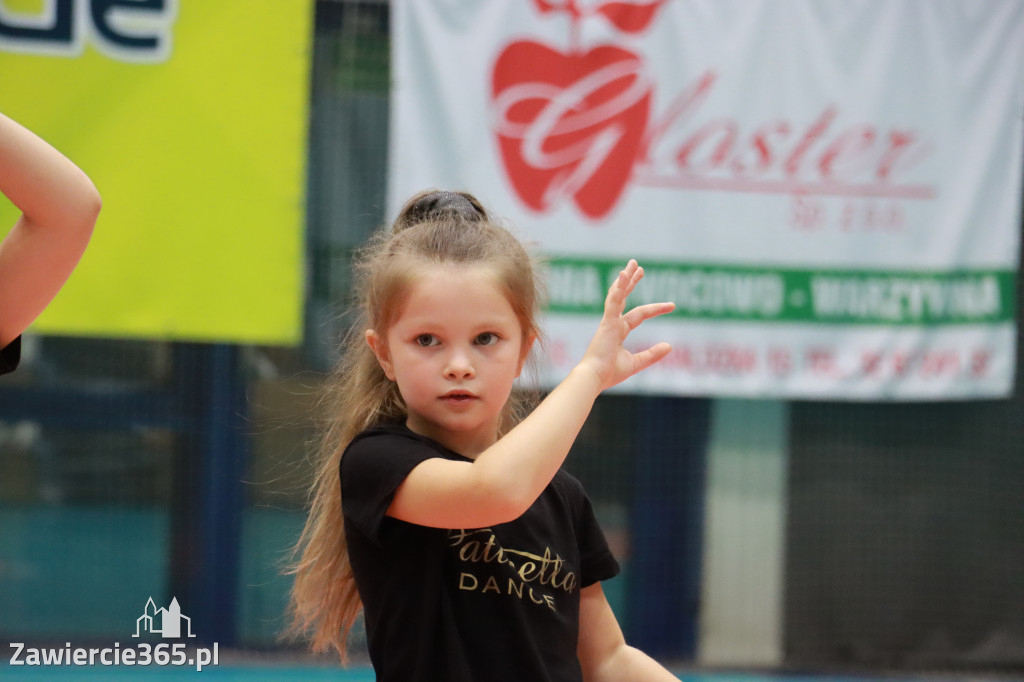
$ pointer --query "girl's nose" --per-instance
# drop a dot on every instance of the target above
(458, 365)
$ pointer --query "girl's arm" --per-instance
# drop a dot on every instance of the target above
(504, 480)
(602, 650)
(59, 205)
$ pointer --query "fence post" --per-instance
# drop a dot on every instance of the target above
(666, 526)
(209, 492)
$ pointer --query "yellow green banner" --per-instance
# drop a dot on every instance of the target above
(191, 117)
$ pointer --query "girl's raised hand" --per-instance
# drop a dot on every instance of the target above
(606, 355)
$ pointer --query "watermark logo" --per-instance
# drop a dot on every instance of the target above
(169, 621)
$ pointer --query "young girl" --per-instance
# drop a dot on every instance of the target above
(59, 205)
(471, 554)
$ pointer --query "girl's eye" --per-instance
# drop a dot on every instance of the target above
(425, 340)
(487, 339)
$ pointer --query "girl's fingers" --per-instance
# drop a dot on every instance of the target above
(646, 358)
(620, 290)
(645, 312)
(614, 362)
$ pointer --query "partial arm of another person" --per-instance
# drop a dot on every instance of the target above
(59, 205)
(602, 650)
(505, 479)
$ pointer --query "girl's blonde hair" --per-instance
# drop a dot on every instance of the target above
(433, 227)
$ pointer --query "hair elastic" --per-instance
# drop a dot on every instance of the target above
(440, 203)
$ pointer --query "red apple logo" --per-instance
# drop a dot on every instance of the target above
(570, 125)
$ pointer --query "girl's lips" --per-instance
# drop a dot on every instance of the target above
(458, 397)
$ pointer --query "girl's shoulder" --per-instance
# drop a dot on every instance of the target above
(564, 480)
(389, 450)
(570, 490)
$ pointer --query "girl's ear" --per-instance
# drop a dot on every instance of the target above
(525, 352)
(380, 350)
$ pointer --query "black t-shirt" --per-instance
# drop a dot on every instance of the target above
(480, 605)
(10, 355)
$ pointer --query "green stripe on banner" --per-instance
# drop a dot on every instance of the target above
(766, 294)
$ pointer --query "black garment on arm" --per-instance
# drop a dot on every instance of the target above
(479, 605)
(10, 355)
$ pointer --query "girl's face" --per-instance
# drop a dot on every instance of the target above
(454, 350)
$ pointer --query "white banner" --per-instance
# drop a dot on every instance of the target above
(830, 192)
